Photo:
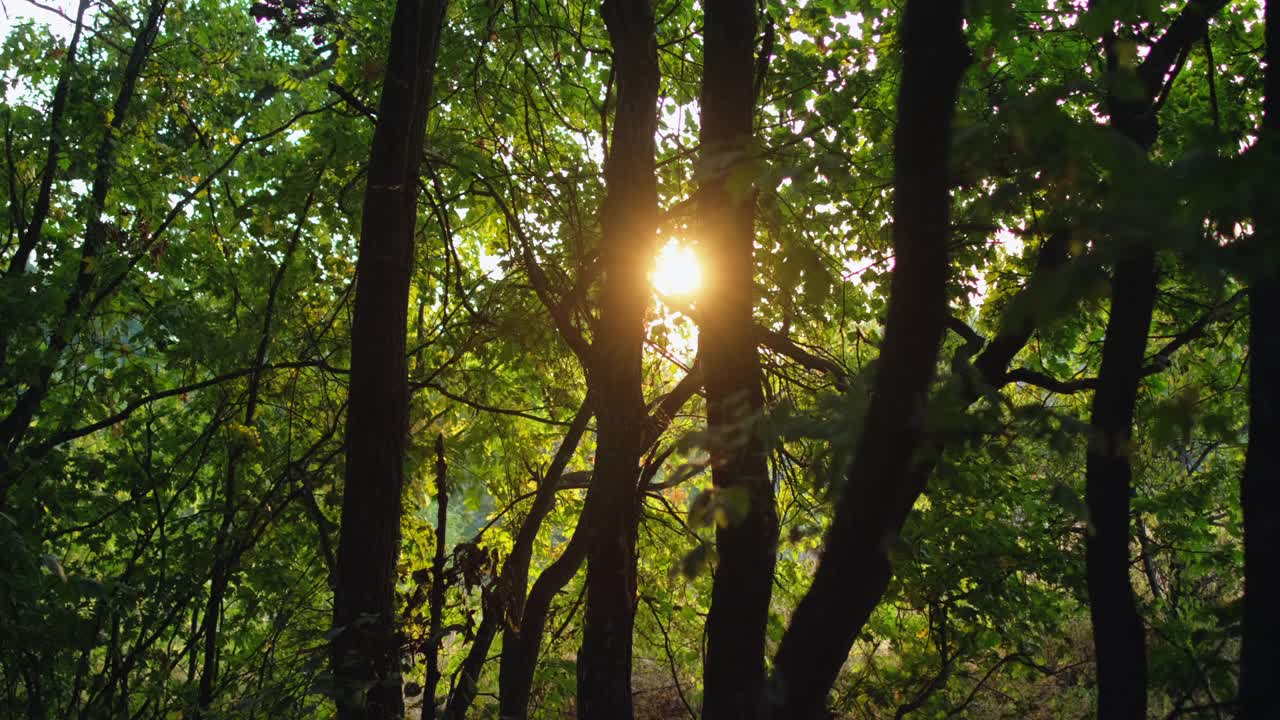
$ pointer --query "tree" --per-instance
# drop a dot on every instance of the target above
(1261, 531)
(913, 317)
(855, 560)
(746, 544)
(366, 645)
(613, 370)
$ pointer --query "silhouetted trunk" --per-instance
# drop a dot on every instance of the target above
(1117, 627)
(366, 645)
(515, 578)
(506, 606)
(1118, 631)
(1259, 491)
(435, 602)
(629, 222)
(854, 567)
(734, 672)
(522, 637)
(520, 645)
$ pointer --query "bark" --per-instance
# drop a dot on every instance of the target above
(734, 670)
(1259, 493)
(629, 223)
(854, 567)
(366, 647)
(435, 601)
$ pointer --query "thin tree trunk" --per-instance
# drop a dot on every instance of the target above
(29, 236)
(435, 602)
(366, 646)
(1119, 645)
(629, 222)
(507, 604)
(1259, 492)
(522, 637)
(854, 567)
(520, 646)
(515, 578)
(1118, 631)
(734, 672)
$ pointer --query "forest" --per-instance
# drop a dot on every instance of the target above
(640, 359)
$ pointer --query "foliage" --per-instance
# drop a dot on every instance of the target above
(224, 283)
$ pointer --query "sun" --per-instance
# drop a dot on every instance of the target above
(677, 272)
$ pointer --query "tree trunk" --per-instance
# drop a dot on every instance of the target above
(1117, 627)
(366, 647)
(991, 365)
(435, 603)
(1259, 492)
(734, 672)
(1118, 632)
(30, 236)
(629, 222)
(507, 604)
(520, 645)
(854, 567)
(522, 640)
(220, 576)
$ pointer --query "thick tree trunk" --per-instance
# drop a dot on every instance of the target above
(854, 567)
(1259, 491)
(366, 646)
(629, 222)
(734, 672)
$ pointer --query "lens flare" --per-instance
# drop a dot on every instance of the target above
(677, 272)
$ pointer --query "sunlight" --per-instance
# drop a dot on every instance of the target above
(677, 272)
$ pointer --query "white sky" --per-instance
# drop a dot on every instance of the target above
(14, 11)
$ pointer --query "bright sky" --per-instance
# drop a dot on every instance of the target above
(14, 11)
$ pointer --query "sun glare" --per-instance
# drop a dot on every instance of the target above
(677, 272)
